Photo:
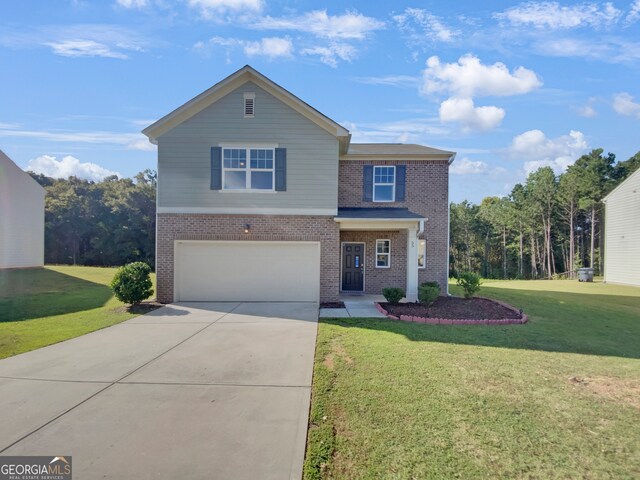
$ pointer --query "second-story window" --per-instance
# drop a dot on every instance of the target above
(384, 184)
(248, 168)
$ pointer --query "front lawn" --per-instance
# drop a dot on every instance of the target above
(42, 306)
(558, 397)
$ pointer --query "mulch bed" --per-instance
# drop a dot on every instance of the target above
(455, 310)
(141, 308)
(332, 305)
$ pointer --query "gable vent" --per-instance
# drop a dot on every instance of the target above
(249, 104)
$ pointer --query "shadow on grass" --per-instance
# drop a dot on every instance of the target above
(36, 293)
(607, 325)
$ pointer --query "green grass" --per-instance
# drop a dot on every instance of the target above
(558, 397)
(42, 306)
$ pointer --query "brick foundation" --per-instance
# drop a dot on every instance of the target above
(171, 227)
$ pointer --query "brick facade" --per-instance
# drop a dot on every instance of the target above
(427, 193)
(171, 227)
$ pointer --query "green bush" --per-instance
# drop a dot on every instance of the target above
(132, 284)
(470, 282)
(428, 292)
(393, 295)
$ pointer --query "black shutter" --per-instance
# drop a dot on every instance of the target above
(401, 176)
(281, 169)
(367, 183)
(216, 168)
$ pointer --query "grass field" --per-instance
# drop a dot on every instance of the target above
(39, 307)
(558, 397)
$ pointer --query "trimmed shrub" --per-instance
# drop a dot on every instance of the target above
(132, 284)
(393, 295)
(470, 282)
(428, 292)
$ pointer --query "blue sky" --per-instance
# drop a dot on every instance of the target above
(510, 86)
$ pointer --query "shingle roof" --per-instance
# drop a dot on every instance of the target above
(378, 213)
(394, 149)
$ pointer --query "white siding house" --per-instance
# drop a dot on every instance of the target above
(21, 217)
(622, 232)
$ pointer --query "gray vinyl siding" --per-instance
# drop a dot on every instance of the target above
(622, 233)
(184, 160)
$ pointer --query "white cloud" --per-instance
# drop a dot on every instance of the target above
(390, 80)
(211, 9)
(536, 150)
(84, 48)
(131, 141)
(68, 166)
(270, 47)
(80, 40)
(403, 131)
(333, 52)
(348, 26)
(552, 15)
(609, 49)
(634, 13)
(463, 111)
(422, 27)
(587, 111)
(624, 105)
(464, 166)
(131, 4)
(469, 78)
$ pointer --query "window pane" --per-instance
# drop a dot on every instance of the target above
(235, 180)
(382, 260)
(383, 193)
(382, 246)
(262, 180)
(422, 246)
(235, 158)
(384, 174)
(261, 158)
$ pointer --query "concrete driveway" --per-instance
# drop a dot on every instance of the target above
(192, 390)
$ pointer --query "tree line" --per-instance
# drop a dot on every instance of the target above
(548, 226)
(106, 223)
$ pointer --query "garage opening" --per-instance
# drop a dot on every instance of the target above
(246, 271)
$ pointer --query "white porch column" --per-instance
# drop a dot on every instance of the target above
(412, 265)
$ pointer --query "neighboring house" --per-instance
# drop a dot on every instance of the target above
(21, 217)
(622, 232)
(261, 197)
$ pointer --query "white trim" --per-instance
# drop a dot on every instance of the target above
(370, 224)
(412, 265)
(388, 254)
(176, 293)
(424, 260)
(364, 265)
(320, 212)
(393, 185)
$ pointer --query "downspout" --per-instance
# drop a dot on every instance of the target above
(453, 157)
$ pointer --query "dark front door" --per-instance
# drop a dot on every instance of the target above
(352, 267)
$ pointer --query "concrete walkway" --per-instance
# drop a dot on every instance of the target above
(198, 391)
(355, 306)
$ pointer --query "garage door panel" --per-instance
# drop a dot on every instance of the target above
(247, 271)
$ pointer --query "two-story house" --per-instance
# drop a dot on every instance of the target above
(263, 198)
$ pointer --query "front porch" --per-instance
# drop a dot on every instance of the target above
(379, 247)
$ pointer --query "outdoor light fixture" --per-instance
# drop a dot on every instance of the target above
(247, 228)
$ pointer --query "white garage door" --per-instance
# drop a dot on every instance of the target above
(247, 271)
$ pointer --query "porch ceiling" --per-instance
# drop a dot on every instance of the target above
(379, 219)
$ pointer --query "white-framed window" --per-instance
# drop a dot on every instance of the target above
(422, 253)
(248, 168)
(383, 253)
(384, 184)
(249, 105)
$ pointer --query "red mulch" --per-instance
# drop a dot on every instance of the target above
(453, 308)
